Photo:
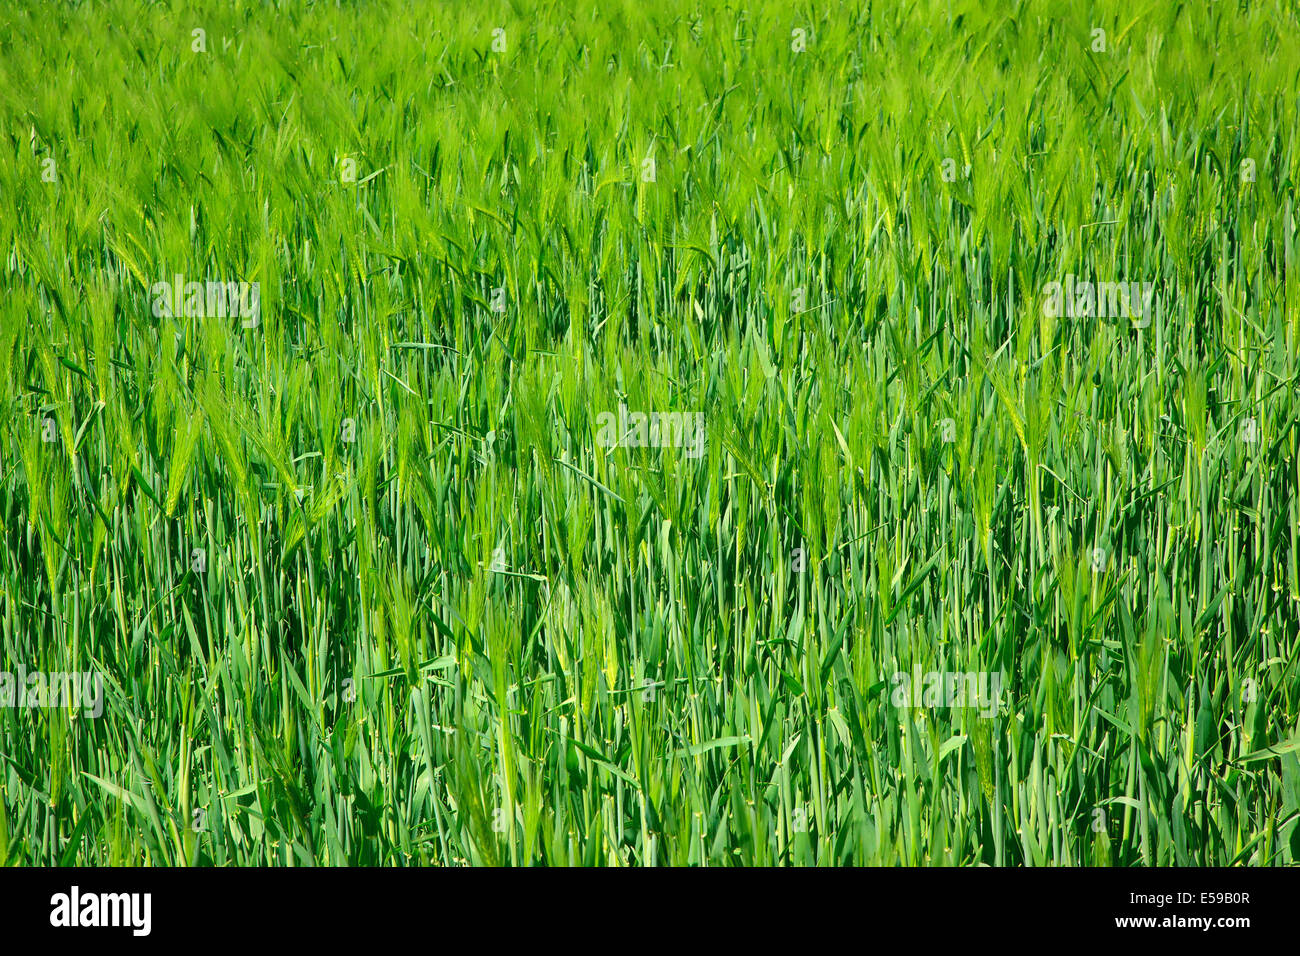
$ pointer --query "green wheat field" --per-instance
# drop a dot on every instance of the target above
(358, 576)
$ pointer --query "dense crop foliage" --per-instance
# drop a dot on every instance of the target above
(363, 586)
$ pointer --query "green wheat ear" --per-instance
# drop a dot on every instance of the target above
(189, 429)
(1101, 850)
(980, 731)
